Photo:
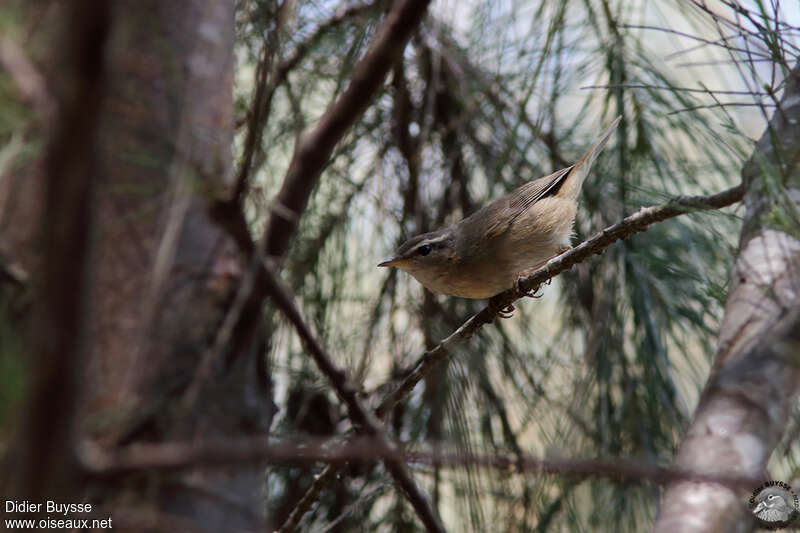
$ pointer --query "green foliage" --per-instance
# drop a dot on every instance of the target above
(609, 363)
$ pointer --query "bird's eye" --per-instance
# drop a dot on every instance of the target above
(425, 249)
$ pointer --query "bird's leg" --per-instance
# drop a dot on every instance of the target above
(524, 273)
(503, 311)
(561, 250)
(507, 311)
(528, 271)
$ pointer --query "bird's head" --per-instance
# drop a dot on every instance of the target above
(772, 507)
(426, 257)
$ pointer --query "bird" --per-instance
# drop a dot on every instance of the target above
(773, 508)
(488, 252)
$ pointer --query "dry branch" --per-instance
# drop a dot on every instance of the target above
(175, 456)
(314, 148)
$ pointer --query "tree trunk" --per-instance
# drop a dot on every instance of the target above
(754, 381)
(163, 273)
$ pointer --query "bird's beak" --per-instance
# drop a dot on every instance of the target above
(397, 261)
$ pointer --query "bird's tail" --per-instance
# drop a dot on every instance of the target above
(572, 185)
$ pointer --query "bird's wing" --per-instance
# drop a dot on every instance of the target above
(503, 212)
(532, 192)
(572, 187)
(498, 216)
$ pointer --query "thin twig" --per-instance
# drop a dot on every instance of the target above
(681, 89)
(260, 104)
(722, 41)
(302, 48)
(320, 483)
(693, 37)
(720, 104)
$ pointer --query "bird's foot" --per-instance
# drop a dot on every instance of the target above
(519, 292)
(528, 271)
(503, 311)
(561, 250)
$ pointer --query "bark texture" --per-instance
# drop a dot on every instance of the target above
(755, 377)
(162, 271)
(166, 271)
(57, 337)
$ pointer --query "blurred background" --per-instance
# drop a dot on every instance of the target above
(200, 107)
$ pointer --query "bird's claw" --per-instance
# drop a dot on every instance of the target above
(503, 311)
(507, 311)
(530, 293)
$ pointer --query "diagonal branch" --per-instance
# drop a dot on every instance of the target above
(313, 150)
(633, 224)
(312, 154)
(362, 418)
(320, 483)
(628, 226)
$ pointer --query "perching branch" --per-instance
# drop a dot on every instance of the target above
(364, 421)
(628, 226)
(313, 150)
